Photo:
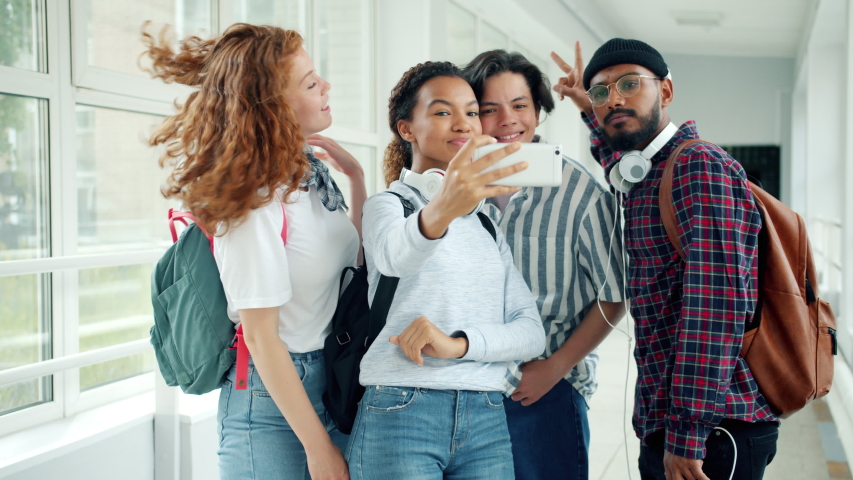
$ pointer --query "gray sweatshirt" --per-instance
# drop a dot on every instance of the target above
(464, 281)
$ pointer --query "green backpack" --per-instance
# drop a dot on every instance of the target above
(194, 340)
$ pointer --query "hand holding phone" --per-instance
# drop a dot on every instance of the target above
(545, 164)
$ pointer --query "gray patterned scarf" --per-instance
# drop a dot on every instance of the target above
(320, 177)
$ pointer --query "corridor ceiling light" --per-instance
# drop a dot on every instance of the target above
(694, 18)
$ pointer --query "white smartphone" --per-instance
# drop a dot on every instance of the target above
(544, 164)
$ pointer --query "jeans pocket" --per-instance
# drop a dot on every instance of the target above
(494, 400)
(389, 399)
(222, 411)
(719, 455)
(761, 452)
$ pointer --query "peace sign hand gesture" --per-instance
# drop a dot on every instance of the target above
(572, 84)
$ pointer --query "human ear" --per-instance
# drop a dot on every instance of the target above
(404, 127)
(666, 92)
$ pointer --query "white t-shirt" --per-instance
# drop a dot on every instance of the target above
(302, 277)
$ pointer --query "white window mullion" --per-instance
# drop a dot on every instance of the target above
(64, 192)
(30, 84)
(309, 25)
(225, 17)
(368, 84)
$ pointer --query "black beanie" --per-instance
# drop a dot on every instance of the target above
(620, 50)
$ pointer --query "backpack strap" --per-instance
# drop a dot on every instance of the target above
(488, 225)
(667, 209)
(241, 375)
(385, 290)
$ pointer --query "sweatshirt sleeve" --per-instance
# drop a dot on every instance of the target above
(521, 337)
(395, 242)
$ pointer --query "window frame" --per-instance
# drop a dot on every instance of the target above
(67, 82)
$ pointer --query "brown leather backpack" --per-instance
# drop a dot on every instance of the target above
(790, 341)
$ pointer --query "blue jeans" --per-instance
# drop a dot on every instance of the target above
(255, 441)
(550, 439)
(419, 434)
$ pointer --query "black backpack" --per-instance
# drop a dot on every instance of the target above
(354, 328)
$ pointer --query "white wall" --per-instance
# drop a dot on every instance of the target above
(736, 101)
(128, 455)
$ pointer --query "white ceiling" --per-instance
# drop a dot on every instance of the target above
(765, 28)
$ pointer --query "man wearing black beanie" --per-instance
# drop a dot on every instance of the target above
(696, 399)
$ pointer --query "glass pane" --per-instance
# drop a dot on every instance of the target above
(491, 38)
(114, 28)
(115, 308)
(288, 14)
(119, 204)
(24, 200)
(345, 60)
(24, 234)
(461, 34)
(366, 156)
(29, 393)
(25, 322)
(21, 34)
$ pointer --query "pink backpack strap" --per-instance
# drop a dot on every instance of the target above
(241, 376)
(177, 215)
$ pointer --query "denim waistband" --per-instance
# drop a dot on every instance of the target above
(437, 390)
(308, 357)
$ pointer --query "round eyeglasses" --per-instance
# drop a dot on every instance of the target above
(627, 86)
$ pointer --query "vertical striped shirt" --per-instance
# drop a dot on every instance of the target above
(561, 239)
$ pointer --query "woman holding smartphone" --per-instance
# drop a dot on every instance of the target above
(239, 148)
(435, 377)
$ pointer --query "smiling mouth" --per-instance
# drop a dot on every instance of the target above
(325, 108)
(509, 138)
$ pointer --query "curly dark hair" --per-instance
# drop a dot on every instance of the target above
(236, 139)
(493, 62)
(403, 100)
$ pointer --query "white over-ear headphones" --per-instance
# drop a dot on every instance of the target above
(635, 165)
(429, 183)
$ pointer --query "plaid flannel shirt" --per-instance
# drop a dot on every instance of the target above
(690, 316)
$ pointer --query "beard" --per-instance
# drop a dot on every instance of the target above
(621, 140)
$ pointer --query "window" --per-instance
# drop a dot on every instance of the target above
(24, 234)
(344, 59)
(114, 29)
(82, 218)
(468, 35)
(289, 14)
(461, 35)
(22, 44)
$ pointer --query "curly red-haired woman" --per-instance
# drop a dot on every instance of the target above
(238, 148)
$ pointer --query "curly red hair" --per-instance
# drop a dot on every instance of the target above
(236, 140)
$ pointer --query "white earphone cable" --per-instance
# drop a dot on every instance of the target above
(734, 445)
(617, 223)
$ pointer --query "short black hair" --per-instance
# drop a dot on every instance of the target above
(493, 62)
